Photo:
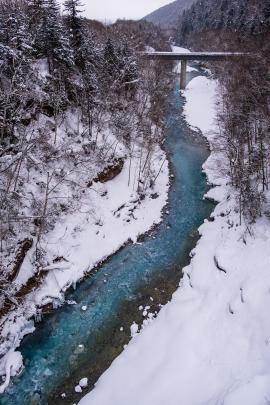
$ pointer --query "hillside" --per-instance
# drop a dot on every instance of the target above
(168, 15)
(240, 17)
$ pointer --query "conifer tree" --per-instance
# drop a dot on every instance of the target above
(16, 51)
(91, 85)
(35, 10)
(129, 68)
(56, 44)
(111, 60)
(75, 28)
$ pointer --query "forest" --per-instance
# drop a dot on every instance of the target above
(76, 101)
(241, 26)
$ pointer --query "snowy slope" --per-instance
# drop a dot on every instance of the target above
(98, 218)
(211, 344)
(110, 215)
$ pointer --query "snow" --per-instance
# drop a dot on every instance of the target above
(83, 382)
(10, 365)
(86, 240)
(42, 68)
(200, 96)
(134, 329)
(177, 69)
(105, 216)
(179, 49)
(149, 49)
(211, 344)
(78, 389)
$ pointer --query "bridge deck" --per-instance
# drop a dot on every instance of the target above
(193, 55)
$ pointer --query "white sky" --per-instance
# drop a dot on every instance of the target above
(110, 10)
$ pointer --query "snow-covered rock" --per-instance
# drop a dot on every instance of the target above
(134, 329)
(83, 382)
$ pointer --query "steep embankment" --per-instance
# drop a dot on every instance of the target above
(111, 214)
(98, 195)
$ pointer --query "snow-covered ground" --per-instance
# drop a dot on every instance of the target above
(211, 344)
(102, 218)
(110, 215)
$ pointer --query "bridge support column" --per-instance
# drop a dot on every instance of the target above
(183, 76)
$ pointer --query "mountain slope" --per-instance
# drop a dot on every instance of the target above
(168, 15)
(248, 17)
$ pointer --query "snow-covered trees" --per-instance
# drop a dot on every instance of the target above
(239, 25)
(67, 87)
(110, 59)
(120, 67)
(74, 24)
(15, 64)
(56, 44)
(245, 125)
(244, 118)
(241, 16)
(128, 68)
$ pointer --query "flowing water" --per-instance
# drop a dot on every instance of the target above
(70, 343)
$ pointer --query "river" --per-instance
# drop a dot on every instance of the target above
(70, 343)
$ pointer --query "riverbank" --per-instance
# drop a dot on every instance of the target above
(111, 214)
(210, 344)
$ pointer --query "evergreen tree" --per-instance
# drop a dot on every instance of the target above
(245, 16)
(35, 10)
(15, 51)
(90, 80)
(55, 40)
(111, 60)
(74, 24)
(129, 68)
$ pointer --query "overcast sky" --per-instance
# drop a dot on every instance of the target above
(110, 10)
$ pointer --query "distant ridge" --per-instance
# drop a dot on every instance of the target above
(167, 16)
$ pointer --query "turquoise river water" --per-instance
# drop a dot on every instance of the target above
(70, 343)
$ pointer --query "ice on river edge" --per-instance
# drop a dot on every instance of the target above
(11, 364)
(211, 343)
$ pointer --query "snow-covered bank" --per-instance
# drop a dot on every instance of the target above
(110, 215)
(211, 343)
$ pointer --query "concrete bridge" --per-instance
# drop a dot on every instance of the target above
(191, 56)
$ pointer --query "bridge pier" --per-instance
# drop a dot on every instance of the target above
(183, 75)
